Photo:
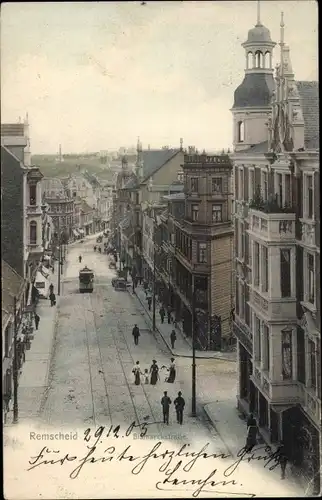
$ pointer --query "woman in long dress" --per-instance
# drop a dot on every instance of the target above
(137, 373)
(172, 372)
(154, 370)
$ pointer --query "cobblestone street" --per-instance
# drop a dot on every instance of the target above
(91, 383)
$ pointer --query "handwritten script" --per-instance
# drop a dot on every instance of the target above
(174, 466)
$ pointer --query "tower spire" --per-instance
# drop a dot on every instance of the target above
(282, 25)
(258, 13)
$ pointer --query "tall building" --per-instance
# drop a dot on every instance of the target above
(277, 255)
(201, 282)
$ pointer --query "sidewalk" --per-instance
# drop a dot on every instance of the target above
(33, 379)
(183, 346)
(232, 429)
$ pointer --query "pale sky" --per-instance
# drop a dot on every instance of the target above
(97, 75)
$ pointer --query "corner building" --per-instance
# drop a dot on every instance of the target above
(277, 253)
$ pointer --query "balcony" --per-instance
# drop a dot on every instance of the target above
(34, 210)
(277, 309)
(284, 391)
(312, 405)
(35, 248)
(243, 334)
(272, 227)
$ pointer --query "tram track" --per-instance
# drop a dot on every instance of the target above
(121, 327)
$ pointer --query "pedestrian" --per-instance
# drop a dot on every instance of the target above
(37, 319)
(149, 299)
(173, 338)
(136, 334)
(51, 288)
(166, 402)
(80, 258)
(251, 440)
(172, 372)
(137, 373)
(52, 269)
(154, 370)
(179, 404)
(169, 314)
(52, 298)
(146, 376)
(162, 314)
(283, 458)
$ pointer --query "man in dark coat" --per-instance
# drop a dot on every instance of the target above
(37, 319)
(179, 404)
(169, 310)
(136, 334)
(166, 402)
(162, 314)
(283, 458)
(173, 338)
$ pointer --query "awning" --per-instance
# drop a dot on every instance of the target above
(75, 232)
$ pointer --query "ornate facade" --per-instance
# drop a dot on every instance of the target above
(277, 262)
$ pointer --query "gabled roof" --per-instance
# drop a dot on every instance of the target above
(309, 98)
(153, 159)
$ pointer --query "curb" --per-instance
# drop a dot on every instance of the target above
(214, 426)
(168, 346)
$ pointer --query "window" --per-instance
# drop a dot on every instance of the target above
(241, 131)
(267, 353)
(202, 253)
(217, 185)
(258, 338)
(310, 265)
(264, 269)
(309, 197)
(312, 355)
(247, 308)
(242, 300)
(256, 264)
(241, 184)
(180, 176)
(33, 233)
(279, 189)
(194, 184)
(300, 355)
(285, 273)
(32, 194)
(217, 213)
(251, 184)
(287, 354)
(74, 194)
(258, 59)
(194, 212)
(6, 341)
(288, 198)
(265, 185)
(237, 297)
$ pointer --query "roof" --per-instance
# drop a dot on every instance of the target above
(261, 147)
(11, 285)
(153, 159)
(255, 91)
(86, 208)
(52, 187)
(259, 34)
(12, 129)
(309, 98)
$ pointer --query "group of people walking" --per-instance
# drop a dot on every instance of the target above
(151, 376)
(179, 404)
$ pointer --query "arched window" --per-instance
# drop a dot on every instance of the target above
(258, 59)
(249, 60)
(241, 131)
(267, 60)
(33, 233)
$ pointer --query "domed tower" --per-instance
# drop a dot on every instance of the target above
(252, 99)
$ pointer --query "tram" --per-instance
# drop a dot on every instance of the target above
(86, 279)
